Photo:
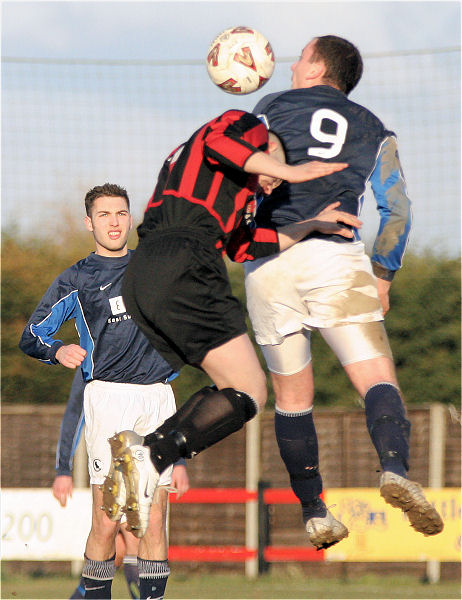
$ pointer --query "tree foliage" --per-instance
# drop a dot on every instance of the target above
(423, 326)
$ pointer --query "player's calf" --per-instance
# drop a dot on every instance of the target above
(209, 416)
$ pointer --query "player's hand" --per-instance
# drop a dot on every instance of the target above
(71, 356)
(180, 479)
(268, 183)
(383, 288)
(62, 488)
(312, 170)
(330, 220)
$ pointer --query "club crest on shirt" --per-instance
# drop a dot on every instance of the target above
(250, 211)
(117, 305)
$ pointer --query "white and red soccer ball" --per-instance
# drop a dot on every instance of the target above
(240, 60)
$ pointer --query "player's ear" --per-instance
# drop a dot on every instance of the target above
(316, 70)
(275, 147)
(88, 223)
(131, 223)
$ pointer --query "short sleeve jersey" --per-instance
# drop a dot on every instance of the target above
(203, 186)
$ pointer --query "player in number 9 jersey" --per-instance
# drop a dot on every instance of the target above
(328, 283)
(335, 128)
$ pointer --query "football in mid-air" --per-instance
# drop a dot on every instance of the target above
(240, 60)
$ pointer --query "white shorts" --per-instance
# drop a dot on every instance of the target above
(112, 407)
(315, 284)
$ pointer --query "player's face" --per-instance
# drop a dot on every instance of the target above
(110, 222)
(302, 69)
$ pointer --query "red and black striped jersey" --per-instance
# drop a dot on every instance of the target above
(203, 185)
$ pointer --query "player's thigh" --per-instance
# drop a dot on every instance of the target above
(357, 342)
(235, 364)
(291, 356)
(364, 351)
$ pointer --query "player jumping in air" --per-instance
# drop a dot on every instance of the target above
(327, 282)
(201, 209)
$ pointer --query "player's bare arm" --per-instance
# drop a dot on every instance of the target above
(261, 163)
(328, 220)
(71, 356)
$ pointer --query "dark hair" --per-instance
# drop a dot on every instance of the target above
(344, 65)
(108, 189)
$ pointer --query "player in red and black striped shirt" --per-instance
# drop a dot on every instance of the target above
(197, 213)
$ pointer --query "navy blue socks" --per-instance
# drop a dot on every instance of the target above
(298, 446)
(153, 578)
(98, 576)
(388, 427)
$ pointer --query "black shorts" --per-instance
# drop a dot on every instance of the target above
(177, 290)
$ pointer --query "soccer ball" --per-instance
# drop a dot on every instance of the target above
(240, 60)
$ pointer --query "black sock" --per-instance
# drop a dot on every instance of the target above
(298, 446)
(315, 508)
(388, 427)
(131, 575)
(98, 576)
(79, 591)
(153, 578)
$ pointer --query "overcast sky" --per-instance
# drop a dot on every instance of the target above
(65, 128)
(176, 30)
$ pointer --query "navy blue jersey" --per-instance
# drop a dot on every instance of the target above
(71, 427)
(321, 123)
(90, 292)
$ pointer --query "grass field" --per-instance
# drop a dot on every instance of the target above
(236, 586)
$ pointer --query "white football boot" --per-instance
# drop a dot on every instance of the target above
(324, 532)
(409, 497)
(139, 475)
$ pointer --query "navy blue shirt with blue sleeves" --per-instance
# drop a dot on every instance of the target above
(90, 293)
(321, 123)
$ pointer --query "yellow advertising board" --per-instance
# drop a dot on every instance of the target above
(379, 532)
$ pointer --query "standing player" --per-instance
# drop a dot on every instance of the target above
(126, 387)
(326, 282)
(126, 543)
(199, 211)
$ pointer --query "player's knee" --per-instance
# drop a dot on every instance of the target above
(258, 390)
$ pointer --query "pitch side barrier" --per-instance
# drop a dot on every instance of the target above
(372, 523)
(265, 552)
(34, 527)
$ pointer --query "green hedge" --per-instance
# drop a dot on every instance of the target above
(423, 325)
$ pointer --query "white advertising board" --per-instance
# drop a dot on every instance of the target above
(36, 527)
